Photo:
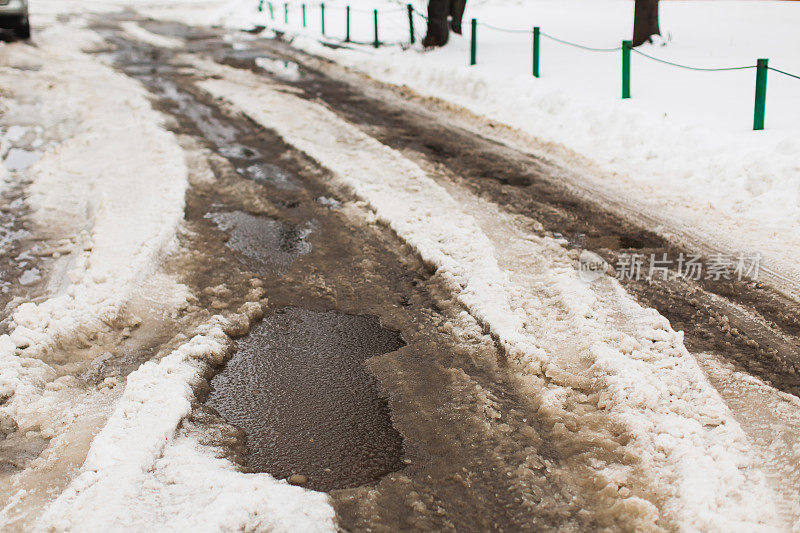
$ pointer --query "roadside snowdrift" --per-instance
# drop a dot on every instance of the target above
(107, 199)
(112, 193)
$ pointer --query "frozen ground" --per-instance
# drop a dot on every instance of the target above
(666, 448)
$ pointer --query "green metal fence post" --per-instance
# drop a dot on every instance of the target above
(626, 69)
(761, 93)
(473, 48)
(322, 14)
(285, 13)
(271, 12)
(411, 23)
(377, 43)
(536, 32)
(347, 24)
(303, 8)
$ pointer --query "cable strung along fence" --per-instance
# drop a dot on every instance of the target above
(761, 66)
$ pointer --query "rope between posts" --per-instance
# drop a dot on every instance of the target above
(784, 73)
(504, 30)
(554, 38)
(576, 45)
(688, 67)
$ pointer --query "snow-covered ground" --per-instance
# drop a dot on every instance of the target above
(579, 343)
(613, 373)
(681, 151)
(108, 196)
(107, 162)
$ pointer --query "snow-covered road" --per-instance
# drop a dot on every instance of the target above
(192, 180)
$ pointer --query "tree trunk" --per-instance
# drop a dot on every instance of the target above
(456, 14)
(438, 32)
(645, 21)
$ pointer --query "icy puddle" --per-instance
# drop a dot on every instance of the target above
(269, 174)
(300, 391)
(18, 159)
(264, 241)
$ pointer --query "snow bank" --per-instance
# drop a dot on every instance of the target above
(112, 195)
(118, 165)
(106, 199)
(610, 370)
(141, 473)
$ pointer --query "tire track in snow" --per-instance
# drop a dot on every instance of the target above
(114, 165)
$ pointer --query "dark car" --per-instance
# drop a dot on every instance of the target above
(14, 17)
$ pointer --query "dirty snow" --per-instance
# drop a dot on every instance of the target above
(108, 199)
(681, 151)
(585, 345)
(140, 473)
(612, 373)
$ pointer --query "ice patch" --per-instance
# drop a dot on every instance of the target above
(333, 203)
(30, 276)
(141, 34)
(18, 159)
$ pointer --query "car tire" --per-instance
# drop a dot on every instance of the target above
(23, 30)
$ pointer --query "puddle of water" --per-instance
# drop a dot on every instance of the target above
(228, 138)
(270, 174)
(18, 159)
(267, 242)
(299, 390)
(221, 134)
(242, 51)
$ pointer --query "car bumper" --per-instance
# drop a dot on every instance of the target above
(16, 8)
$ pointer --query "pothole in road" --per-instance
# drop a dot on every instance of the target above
(299, 390)
(265, 242)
